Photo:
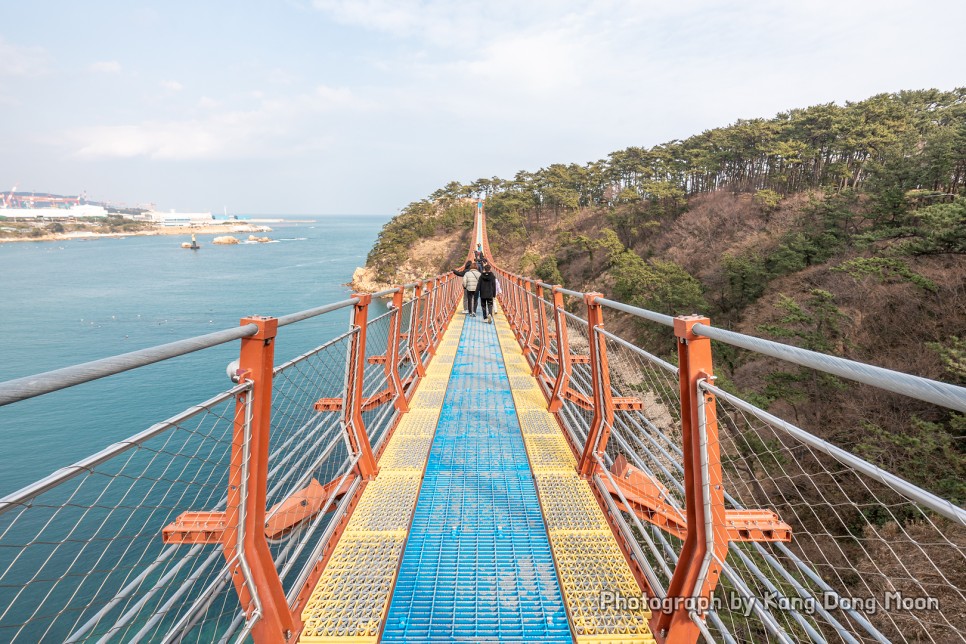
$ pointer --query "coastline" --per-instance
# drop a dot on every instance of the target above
(215, 229)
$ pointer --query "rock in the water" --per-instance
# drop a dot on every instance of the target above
(226, 239)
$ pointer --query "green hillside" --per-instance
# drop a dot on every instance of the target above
(836, 228)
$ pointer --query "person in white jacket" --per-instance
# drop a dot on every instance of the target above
(460, 272)
(471, 279)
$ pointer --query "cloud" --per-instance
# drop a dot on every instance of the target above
(445, 23)
(212, 138)
(276, 127)
(106, 67)
(22, 61)
(172, 86)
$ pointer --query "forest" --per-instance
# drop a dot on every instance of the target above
(838, 228)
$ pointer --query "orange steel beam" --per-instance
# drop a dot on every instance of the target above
(620, 403)
(352, 406)
(647, 499)
(392, 352)
(561, 384)
(373, 401)
(574, 358)
(706, 544)
(603, 419)
(303, 505)
(196, 527)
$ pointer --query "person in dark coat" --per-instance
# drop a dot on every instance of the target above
(487, 291)
(460, 272)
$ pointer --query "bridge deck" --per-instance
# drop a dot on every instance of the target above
(477, 559)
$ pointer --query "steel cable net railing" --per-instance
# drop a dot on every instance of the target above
(81, 554)
(872, 558)
(84, 559)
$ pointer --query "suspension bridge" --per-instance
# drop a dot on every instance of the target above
(425, 477)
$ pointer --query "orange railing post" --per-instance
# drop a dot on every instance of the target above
(415, 351)
(511, 309)
(392, 352)
(603, 419)
(527, 318)
(563, 353)
(425, 342)
(432, 299)
(518, 310)
(244, 540)
(352, 404)
(706, 544)
(544, 330)
(441, 303)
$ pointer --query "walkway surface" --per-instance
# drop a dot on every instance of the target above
(505, 544)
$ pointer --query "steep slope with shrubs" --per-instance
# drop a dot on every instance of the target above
(836, 228)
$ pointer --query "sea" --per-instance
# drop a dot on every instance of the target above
(69, 302)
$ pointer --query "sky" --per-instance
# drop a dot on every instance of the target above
(361, 107)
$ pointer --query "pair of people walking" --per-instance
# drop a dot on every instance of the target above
(480, 286)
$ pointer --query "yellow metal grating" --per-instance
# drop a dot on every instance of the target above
(418, 422)
(436, 382)
(436, 371)
(538, 421)
(387, 502)
(568, 503)
(352, 596)
(529, 399)
(591, 566)
(406, 453)
(517, 368)
(427, 399)
(522, 383)
(549, 452)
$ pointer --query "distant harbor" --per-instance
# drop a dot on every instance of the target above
(31, 216)
(85, 230)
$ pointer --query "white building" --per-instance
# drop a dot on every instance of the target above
(173, 218)
(74, 212)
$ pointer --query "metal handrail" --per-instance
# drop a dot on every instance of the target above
(47, 382)
(64, 474)
(933, 391)
(19, 389)
(938, 393)
(905, 488)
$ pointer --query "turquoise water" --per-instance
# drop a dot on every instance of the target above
(62, 303)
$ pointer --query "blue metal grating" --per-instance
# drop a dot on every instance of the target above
(477, 565)
(479, 503)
